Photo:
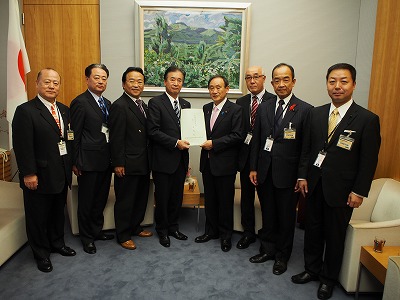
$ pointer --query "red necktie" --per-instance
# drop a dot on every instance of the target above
(55, 116)
(254, 106)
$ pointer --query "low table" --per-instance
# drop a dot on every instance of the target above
(192, 198)
(376, 263)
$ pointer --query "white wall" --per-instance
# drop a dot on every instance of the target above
(310, 35)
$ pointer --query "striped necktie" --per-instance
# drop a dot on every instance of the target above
(254, 106)
(103, 108)
(333, 118)
(177, 111)
(55, 116)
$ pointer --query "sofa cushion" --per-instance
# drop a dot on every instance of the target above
(387, 205)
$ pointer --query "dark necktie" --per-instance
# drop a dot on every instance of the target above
(177, 111)
(140, 104)
(278, 115)
(103, 109)
(254, 106)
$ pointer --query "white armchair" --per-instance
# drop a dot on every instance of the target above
(392, 287)
(379, 215)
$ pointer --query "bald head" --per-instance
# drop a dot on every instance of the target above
(255, 79)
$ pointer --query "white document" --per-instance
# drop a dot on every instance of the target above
(193, 127)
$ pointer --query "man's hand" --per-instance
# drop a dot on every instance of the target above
(253, 177)
(119, 171)
(207, 145)
(76, 171)
(301, 186)
(354, 200)
(31, 181)
(183, 145)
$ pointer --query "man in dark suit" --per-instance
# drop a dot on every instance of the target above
(130, 158)
(170, 155)
(274, 159)
(338, 162)
(218, 162)
(91, 155)
(43, 154)
(255, 80)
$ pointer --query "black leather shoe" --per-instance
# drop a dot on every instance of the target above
(64, 251)
(226, 245)
(104, 237)
(245, 242)
(261, 257)
(178, 235)
(164, 240)
(44, 265)
(304, 277)
(279, 267)
(324, 291)
(204, 238)
(89, 248)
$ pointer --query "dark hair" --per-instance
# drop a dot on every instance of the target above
(226, 82)
(133, 69)
(48, 69)
(281, 65)
(174, 69)
(89, 69)
(343, 66)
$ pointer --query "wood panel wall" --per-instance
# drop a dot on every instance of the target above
(385, 84)
(64, 35)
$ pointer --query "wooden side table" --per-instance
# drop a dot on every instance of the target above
(375, 263)
(192, 198)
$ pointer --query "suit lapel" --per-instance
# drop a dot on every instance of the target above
(270, 113)
(94, 104)
(135, 110)
(207, 117)
(222, 114)
(168, 106)
(290, 113)
(348, 118)
(47, 115)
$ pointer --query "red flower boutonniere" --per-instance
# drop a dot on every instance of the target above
(291, 108)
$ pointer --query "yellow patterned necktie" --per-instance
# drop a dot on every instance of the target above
(332, 123)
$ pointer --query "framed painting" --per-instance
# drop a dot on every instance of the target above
(203, 38)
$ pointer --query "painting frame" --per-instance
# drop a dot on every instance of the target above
(145, 9)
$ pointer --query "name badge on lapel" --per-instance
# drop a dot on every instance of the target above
(106, 131)
(62, 147)
(248, 138)
(345, 141)
(70, 134)
(269, 143)
(289, 133)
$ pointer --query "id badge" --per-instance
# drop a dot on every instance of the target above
(345, 142)
(62, 147)
(268, 144)
(320, 159)
(70, 135)
(248, 138)
(289, 133)
(105, 130)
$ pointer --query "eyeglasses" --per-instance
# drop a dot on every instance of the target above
(255, 77)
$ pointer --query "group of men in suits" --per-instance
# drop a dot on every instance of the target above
(279, 143)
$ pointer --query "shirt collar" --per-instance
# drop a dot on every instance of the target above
(219, 106)
(45, 102)
(342, 109)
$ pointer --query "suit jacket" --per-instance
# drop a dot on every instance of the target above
(342, 171)
(164, 131)
(35, 140)
(91, 152)
(245, 103)
(128, 136)
(285, 154)
(226, 136)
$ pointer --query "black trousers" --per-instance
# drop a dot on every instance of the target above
(324, 237)
(219, 193)
(44, 216)
(93, 190)
(131, 192)
(278, 208)
(247, 197)
(168, 191)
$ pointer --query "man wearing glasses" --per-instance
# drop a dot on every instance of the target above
(255, 81)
